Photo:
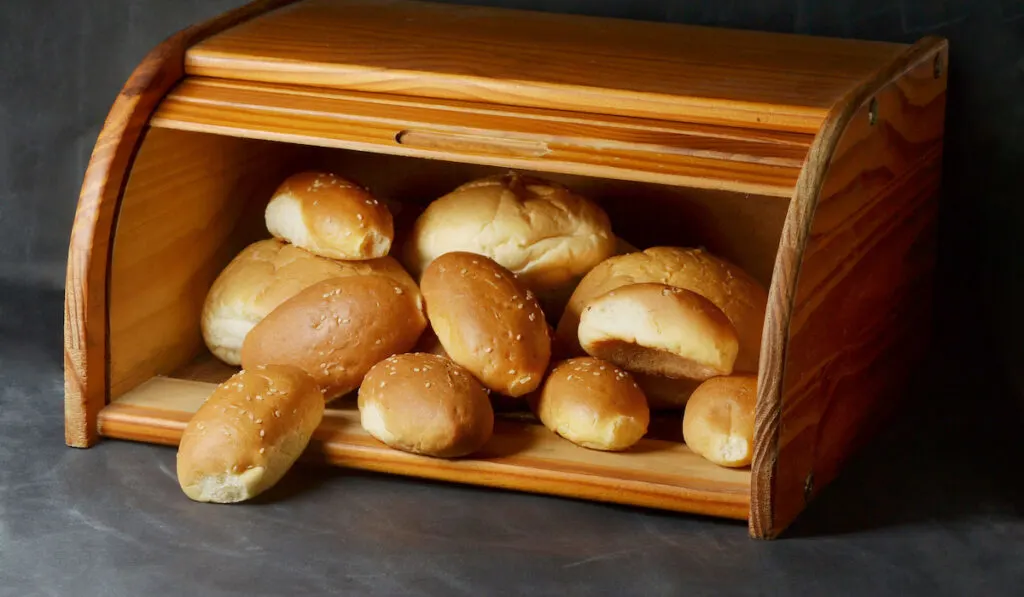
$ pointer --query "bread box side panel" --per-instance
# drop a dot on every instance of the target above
(85, 299)
(852, 284)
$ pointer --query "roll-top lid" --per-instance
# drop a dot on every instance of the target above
(533, 59)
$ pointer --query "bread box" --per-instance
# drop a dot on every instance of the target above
(812, 163)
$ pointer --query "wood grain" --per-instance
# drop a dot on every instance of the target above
(848, 307)
(695, 156)
(568, 62)
(520, 456)
(85, 306)
(192, 202)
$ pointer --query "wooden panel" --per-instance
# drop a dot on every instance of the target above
(567, 62)
(698, 156)
(520, 456)
(852, 285)
(85, 306)
(192, 202)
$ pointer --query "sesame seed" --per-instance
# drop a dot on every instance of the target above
(596, 374)
(511, 371)
(346, 320)
(488, 349)
(295, 411)
(383, 383)
(262, 433)
(520, 306)
(416, 369)
(262, 450)
(427, 384)
(569, 377)
(529, 295)
(497, 275)
(259, 421)
(664, 292)
(277, 413)
(602, 367)
(533, 316)
(259, 396)
(519, 336)
(464, 271)
(378, 341)
(359, 217)
(398, 290)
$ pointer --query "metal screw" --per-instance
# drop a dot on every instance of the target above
(809, 487)
(873, 111)
(937, 66)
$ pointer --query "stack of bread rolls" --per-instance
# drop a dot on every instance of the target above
(462, 325)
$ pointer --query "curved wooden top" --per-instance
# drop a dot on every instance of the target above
(85, 314)
(786, 276)
(544, 60)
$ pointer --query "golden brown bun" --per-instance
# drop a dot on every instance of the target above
(487, 322)
(541, 231)
(264, 275)
(330, 216)
(659, 330)
(337, 329)
(425, 404)
(594, 404)
(248, 433)
(736, 293)
(719, 420)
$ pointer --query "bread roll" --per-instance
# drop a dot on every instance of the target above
(330, 216)
(248, 433)
(659, 330)
(337, 329)
(425, 404)
(539, 230)
(594, 404)
(487, 322)
(718, 422)
(264, 275)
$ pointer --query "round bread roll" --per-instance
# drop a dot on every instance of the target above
(718, 422)
(425, 404)
(248, 433)
(330, 216)
(337, 329)
(487, 322)
(594, 404)
(541, 231)
(736, 293)
(659, 330)
(264, 275)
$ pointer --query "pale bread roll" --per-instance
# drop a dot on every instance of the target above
(594, 404)
(539, 230)
(487, 321)
(337, 329)
(248, 434)
(718, 422)
(330, 216)
(659, 330)
(264, 275)
(425, 404)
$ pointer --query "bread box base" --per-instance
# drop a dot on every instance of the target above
(811, 163)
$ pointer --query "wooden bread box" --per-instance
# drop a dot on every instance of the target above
(812, 163)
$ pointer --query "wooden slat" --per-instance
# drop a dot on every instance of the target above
(569, 62)
(698, 156)
(848, 313)
(520, 456)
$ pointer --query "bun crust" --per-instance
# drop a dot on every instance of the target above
(659, 330)
(425, 404)
(736, 293)
(718, 422)
(264, 275)
(248, 433)
(331, 217)
(594, 404)
(539, 230)
(337, 330)
(487, 322)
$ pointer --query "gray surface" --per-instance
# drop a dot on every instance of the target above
(929, 510)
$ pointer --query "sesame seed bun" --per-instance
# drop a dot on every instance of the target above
(594, 404)
(425, 404)
(718, 422)
(264, 275)
(330, 216)
(248, 433)
(337, 330)
(659, 330)
(487, 321)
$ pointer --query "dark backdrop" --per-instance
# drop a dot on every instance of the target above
(62, 62)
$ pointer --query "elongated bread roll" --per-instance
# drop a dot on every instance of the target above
(248, 433)
(337, 329)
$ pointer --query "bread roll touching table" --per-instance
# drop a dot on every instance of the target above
(337, 329)
(718, 422)
(487, 321)
(330, 216)
(248, 434)
(425, 404)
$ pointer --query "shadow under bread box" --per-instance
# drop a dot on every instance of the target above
(812, 163)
